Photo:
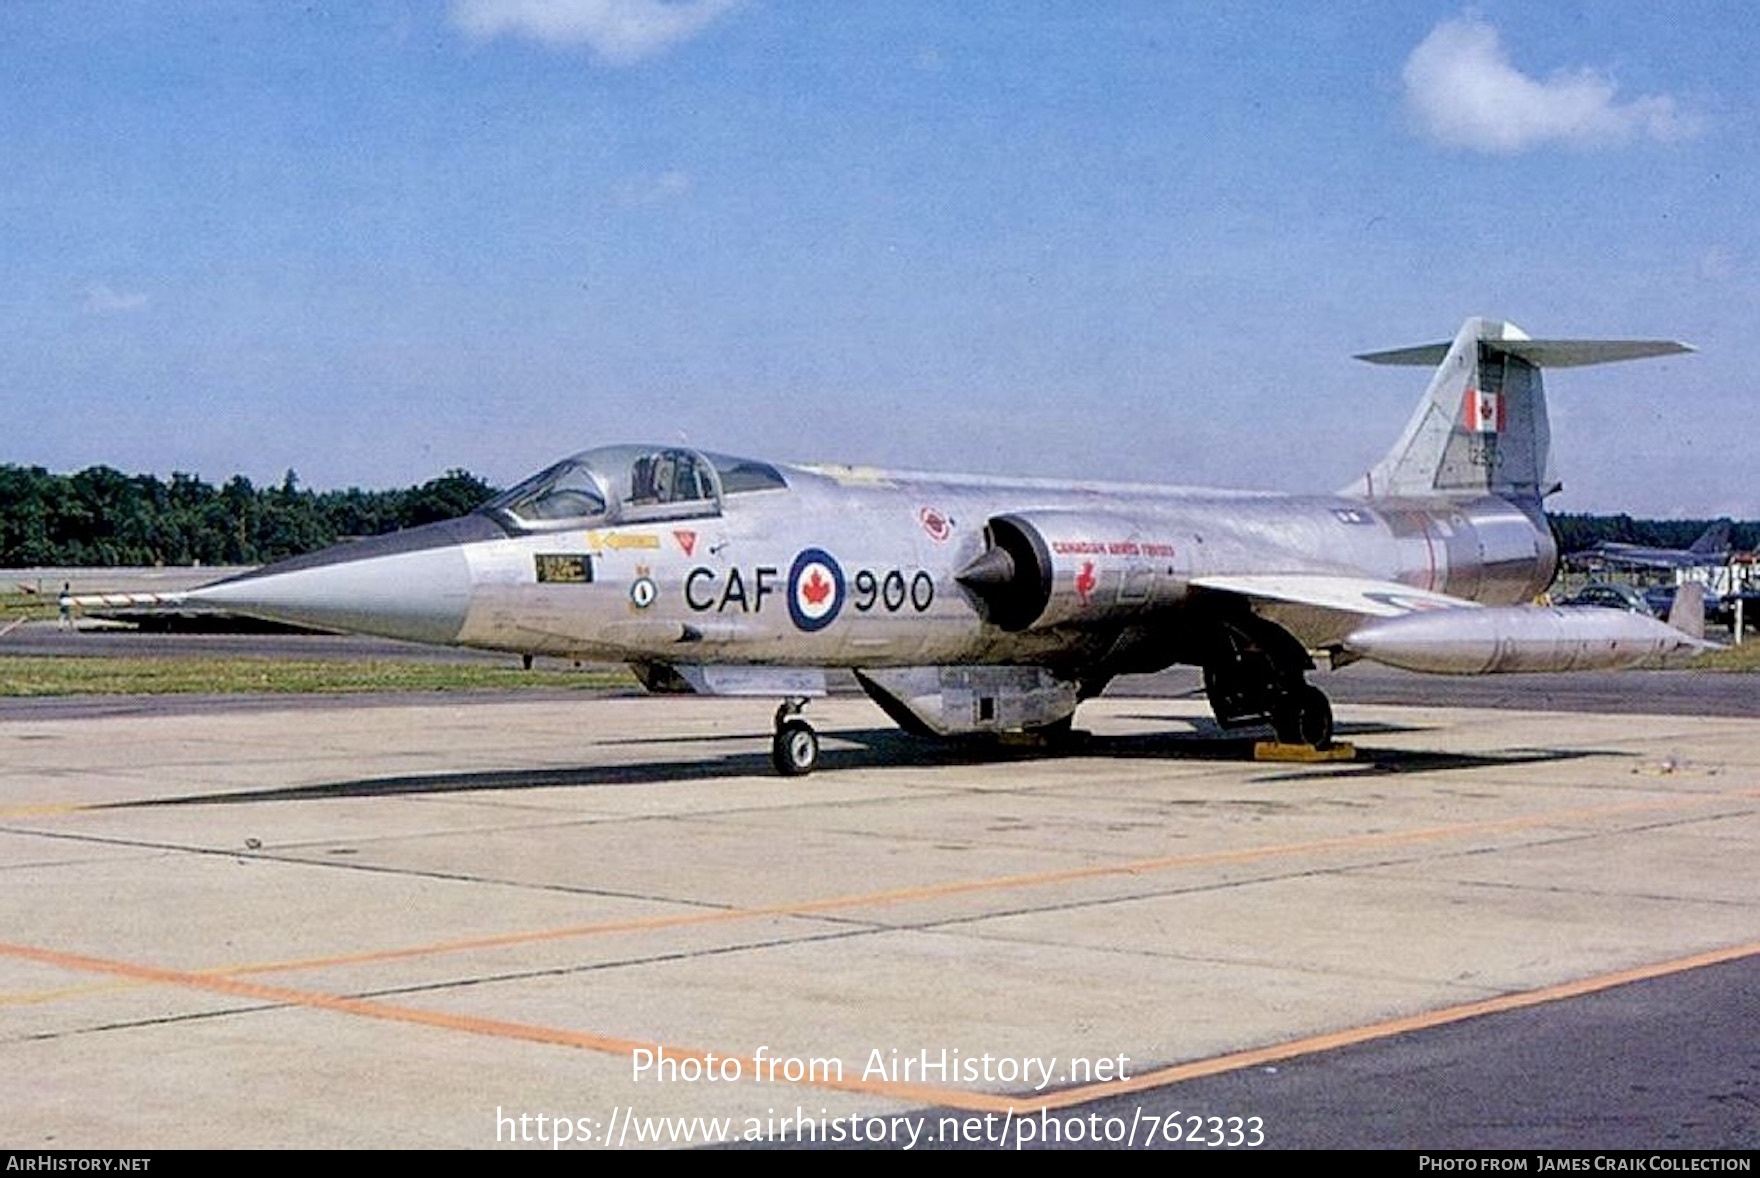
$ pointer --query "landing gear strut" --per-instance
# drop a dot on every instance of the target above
(1253, 675)
(794, 750)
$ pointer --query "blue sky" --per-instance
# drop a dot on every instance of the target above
(376, 239)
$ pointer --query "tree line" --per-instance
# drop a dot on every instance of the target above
(1577, 532)
(100, 517)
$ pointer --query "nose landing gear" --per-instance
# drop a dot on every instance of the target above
(794, 749)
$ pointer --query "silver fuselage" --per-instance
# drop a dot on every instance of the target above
(969, 604)
(715, 586)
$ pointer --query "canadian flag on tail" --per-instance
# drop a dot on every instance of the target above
(1482, 412)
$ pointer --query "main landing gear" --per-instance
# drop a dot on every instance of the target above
(1298, 712)
(1253, 674)
(794, 749)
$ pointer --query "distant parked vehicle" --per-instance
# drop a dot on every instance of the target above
(1660, 599)
(1610, 595)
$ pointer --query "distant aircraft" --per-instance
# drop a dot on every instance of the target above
(1712, 548)
(974, 605)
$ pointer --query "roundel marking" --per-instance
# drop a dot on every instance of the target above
(815, 589)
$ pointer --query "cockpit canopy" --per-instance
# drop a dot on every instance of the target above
(629, 484)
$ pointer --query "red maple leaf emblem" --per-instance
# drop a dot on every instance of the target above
(815, 589)
(1085, 581)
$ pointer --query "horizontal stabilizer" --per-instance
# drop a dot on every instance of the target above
(1481, 428)
(1542, 353)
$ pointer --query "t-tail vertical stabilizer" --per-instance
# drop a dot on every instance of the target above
(1481, 428)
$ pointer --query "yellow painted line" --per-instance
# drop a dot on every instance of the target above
(470, 1024)
(903, 1091)
(43, 809)
(39, 997)
(926, 892)
(1314, 1044)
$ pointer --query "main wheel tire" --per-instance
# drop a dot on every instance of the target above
(1312, 717)
(1304, 717)
(795, 748)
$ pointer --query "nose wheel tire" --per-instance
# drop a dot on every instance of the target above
(795, 748)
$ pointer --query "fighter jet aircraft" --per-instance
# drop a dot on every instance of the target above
(1711, 549)
(978, 605)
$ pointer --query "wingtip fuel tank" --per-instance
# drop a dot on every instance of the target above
(1521, 638)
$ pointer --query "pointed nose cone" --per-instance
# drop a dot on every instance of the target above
(993, 567)
(414, 585)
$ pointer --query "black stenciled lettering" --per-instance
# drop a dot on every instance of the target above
(922, 592)
(762, 586)
(867, 590)
(690, 589)
(734, 591)
(892, 591)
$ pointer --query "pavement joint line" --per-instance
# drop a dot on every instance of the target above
(930, 925)
(809, 908)
(282, 857)
(1235, 1061)
(905, 1091)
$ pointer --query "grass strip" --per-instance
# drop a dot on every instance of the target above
(1745, 657)
(85, 675)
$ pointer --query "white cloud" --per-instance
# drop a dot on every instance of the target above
(617, 31)
(653, 190)
(1463, 92)
(104, 299)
